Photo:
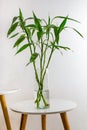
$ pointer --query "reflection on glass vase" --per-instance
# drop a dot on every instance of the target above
(41, 94)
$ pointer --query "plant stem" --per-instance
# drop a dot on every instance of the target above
(41, 68)
(48, 62)
(44, 58)
(34, 65)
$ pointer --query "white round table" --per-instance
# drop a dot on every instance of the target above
(4, 92)
(56, 106)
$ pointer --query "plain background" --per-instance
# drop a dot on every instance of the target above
(67, 73)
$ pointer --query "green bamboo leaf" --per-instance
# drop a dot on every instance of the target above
(14, 19)
(33, 32)
(60, 47)
(44, 21)
(29, 18)
(39, 35)
(54, 46)
(37, 22)
(14, 35)
(49, 28)
(33, 57)
(65, 48)
(29, 33)
(49, 20)
(22, 21)
(23, 48)
(19, 40)
(38, 26)
(31, 26)
(56, 34)
(62, 25)
(20, 14)
(62, 17)
(27, 63)
(12, 28)
(77, 32)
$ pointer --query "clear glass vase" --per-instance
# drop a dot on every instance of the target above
(43, 102)
(42, 95)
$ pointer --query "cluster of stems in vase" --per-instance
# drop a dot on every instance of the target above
(42, 37)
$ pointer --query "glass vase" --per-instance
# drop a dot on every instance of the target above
(42, 95)
(43, 101)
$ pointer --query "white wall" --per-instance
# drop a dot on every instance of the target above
(67, 73)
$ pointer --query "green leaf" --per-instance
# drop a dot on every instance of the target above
(61, 47)
(33, 32)
(12, 28)
(39, 35)
(23, 48)
(22, 21)
(31, 25)
(77, 32)
(56, 34)
(49, 28)
(33, 57)
(62, 17)
(20, 14)
(14, 19)
(49, 20)
(44, 21)
(65, 48)
(38, 26)
(62, 25)
(37, 22)
(29, 33)
(27, 63)
(19, 40)
(14, 35)
(30, 18)
(54, 46)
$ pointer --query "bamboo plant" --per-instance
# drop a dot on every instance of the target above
(42, 38)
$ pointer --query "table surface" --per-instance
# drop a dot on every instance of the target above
(7, 91)
(56, 106)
